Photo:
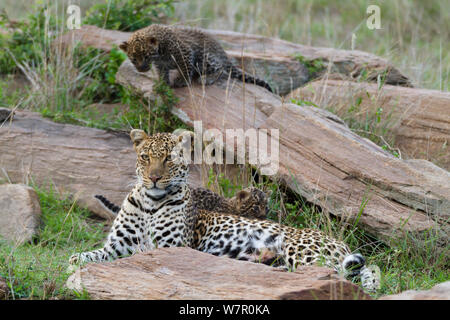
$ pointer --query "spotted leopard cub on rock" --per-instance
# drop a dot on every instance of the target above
(159, 212)
(250, 202)
(193, 53)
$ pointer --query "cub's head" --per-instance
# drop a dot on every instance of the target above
(141, 48)
(251, 202)
(160, 164)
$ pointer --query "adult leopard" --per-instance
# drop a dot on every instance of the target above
(159, 212)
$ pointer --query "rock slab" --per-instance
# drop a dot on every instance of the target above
(182, 273)
(19, 213)
(417, 119)
(272, 59)
(438, 292)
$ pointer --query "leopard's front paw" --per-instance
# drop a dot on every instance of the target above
(75, 259)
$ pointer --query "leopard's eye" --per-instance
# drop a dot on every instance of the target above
(168, 158)
(145, 157)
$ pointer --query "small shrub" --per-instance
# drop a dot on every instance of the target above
(315, 66)
(27, 41)
(99, 70)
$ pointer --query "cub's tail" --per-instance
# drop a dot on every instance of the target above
(237, 74)
(354, 265)
(114, 209)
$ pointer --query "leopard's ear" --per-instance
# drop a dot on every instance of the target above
(137, 136)
(242, 195)
(153, 41)
(124, 46)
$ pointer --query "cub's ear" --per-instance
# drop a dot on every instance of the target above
(137, 136)
(124, 46)
(242, 195)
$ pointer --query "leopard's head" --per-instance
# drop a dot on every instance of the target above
(142, 49)
(251, 202)
(160, 164)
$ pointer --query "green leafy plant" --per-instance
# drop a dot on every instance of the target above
(27, 39)
(227, 188)
(99, 70)
(314, 66)
(301, 102)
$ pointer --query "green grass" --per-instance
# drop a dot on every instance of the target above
(413, 36)
(138, 113)
(10, 93)
(374, 124)
(37, 270)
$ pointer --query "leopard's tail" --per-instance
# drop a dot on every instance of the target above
(237, 73)
(114, 209)
(354, 265)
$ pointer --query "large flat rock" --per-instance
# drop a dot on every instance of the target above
(226, 104)
(418, 119)
(76, 160)
(349, 63)
(20, 213)
(325, 162)
(183, 273)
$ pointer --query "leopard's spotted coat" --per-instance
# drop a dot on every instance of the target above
(159, 212)
(250, 202)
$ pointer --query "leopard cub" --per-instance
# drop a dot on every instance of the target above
(192, 52)
(250, 202)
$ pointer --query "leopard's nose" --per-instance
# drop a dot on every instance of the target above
(144, 67)
(155, 178)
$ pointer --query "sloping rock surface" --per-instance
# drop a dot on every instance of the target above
(183, 273)
(418, 119)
